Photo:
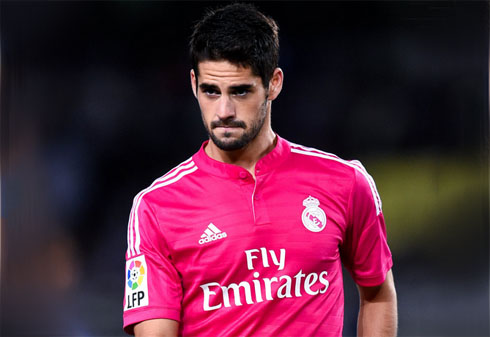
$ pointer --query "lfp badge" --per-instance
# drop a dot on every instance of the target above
(313, 216)
(136, 283)
(136, 274)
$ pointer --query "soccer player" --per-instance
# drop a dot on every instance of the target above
(248, 236)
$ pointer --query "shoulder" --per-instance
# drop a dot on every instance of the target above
(324, 159)
(142, 218)
(336, 167)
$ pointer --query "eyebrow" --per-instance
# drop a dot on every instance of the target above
(239, 87)
(206, 86)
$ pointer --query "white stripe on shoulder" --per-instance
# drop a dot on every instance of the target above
(354, 164)
(185, 164)
(171, 177)
(311, 149)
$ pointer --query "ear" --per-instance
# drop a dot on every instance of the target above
(275, 84)
(194, 83)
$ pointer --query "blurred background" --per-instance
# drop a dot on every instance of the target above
(96, 104)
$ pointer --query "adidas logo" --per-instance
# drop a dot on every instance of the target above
(212, 233)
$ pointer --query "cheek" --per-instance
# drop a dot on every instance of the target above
(208, 112)
(205, 109)
(251, 107)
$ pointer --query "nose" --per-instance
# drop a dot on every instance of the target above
(226, 108)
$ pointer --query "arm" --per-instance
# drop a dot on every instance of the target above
(157, 328)
(150, 274)
(378, 309)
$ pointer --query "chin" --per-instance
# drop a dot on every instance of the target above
(229, 144)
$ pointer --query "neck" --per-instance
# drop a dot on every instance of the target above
(248, 156)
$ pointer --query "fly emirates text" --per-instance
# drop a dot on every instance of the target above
(262, 289)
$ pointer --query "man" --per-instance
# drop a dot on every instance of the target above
(247, 236)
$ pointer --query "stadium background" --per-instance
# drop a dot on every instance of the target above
(96, 103)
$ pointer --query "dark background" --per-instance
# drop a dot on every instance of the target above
(96, 104)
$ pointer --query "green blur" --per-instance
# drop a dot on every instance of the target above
(431, 203)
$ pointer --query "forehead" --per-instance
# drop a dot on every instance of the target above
(224, 72)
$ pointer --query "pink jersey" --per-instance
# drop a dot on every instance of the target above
(227, 255)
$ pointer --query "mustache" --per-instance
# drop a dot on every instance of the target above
(228, 123)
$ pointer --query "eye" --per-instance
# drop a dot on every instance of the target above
(211, 92)
(241, 92)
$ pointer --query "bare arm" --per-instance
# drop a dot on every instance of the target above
(378, 310)
(157, 328)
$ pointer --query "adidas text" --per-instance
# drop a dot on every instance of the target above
(213, 237)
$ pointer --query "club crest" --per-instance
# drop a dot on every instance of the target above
(313, 216)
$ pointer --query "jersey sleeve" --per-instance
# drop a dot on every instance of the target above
(152, 284)
(365, 252)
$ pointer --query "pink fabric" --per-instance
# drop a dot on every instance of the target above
(229, 256)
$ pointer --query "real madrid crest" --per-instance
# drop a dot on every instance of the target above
(313, 217)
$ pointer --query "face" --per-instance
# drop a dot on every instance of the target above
(234, 103)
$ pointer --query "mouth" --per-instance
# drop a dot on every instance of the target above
(228, 125)
(227, 131)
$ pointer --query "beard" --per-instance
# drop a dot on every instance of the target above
(226, 142)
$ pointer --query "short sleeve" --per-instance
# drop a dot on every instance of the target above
(365, 252)
(152, 284)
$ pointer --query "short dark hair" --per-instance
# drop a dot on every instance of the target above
(240, 34)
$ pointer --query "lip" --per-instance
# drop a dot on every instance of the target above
(226, 128)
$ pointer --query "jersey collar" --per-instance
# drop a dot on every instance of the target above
(266, 164)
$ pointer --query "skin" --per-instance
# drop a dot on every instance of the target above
(378, 315)
(236, 111)
(157, 328)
